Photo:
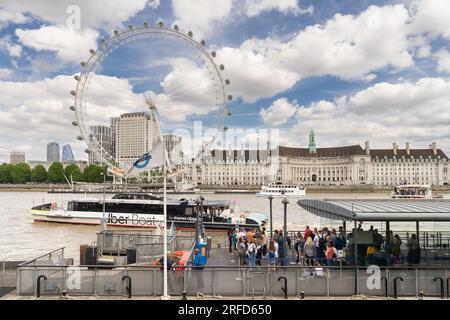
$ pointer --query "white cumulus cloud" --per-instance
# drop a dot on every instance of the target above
(93, 14)
(255, 7)
(7, 17)
(12, 49)
(279, 112)
(416, 112)
(199, 16)
(36, 112)
(71, 45)
(443, 60)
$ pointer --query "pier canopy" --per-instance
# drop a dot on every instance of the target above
(379, 209)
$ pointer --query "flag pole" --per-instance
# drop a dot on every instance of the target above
(152, 106)
(165, 295)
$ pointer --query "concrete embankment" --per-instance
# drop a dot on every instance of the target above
(97, 188)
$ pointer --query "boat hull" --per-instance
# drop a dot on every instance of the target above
(121, 220)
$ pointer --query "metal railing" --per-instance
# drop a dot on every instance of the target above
(53, 258)
(8, 273)
(217, 281)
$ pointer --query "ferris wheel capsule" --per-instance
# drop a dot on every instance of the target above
(190, 34)
(80, 138)
(87, 150)
(72, 108)
(230, 97)
(73, 93)
(176, 28)
(227, 81)
(130, 27)
(203, 43)
(92, 51)
(75, 123)
(116, 32)
(77, 77)
(145, 24)
(222, 67)
(83, 64)
(161, 24)
(213, 54)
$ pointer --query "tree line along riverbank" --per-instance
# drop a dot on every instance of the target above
(21, 173)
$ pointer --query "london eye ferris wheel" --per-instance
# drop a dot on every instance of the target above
(188, 86)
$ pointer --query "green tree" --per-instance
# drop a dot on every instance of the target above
(39, 174)
(56, 173)
(5, 173)
(21, 173)
(74, 171)
(93, 173)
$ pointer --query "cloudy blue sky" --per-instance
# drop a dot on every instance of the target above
(352, 70)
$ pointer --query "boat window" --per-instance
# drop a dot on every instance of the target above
(189, 212)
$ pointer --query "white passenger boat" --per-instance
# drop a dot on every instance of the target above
(412, 191)
(146, 211)
(282, 190)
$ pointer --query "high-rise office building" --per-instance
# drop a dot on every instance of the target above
(67, 154)
(102, 134)
(53, 152)
(16, 157)
(113, 135)
(135, 135)
(172, 143)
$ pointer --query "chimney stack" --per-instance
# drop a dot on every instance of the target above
(394, 148)
(433, 146)
(407, 149)
(367, 148)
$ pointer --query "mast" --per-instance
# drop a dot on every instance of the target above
(152, 107)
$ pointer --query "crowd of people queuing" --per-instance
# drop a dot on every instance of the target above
(322, 246)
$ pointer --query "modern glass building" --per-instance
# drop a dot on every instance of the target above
(67, 154)
(53, 152)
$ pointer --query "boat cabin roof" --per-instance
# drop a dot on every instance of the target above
(422, 186)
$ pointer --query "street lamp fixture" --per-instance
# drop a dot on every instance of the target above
(285, 202)
(270, 197)
(103, 223)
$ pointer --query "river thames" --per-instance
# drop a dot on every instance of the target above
(21, 238)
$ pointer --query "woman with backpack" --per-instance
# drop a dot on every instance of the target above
(299, 247)
(309, 250)
(251, 253)
(272, 253)
(242, 251)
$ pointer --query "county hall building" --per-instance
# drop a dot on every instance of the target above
(346, 165)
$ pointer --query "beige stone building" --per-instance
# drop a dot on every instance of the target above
(135, 134)
(346, 165)
(16, 157)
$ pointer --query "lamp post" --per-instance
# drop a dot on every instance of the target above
(270, 197)
(103, 223)
(285, 202)
(201, 216)
(197, 229)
